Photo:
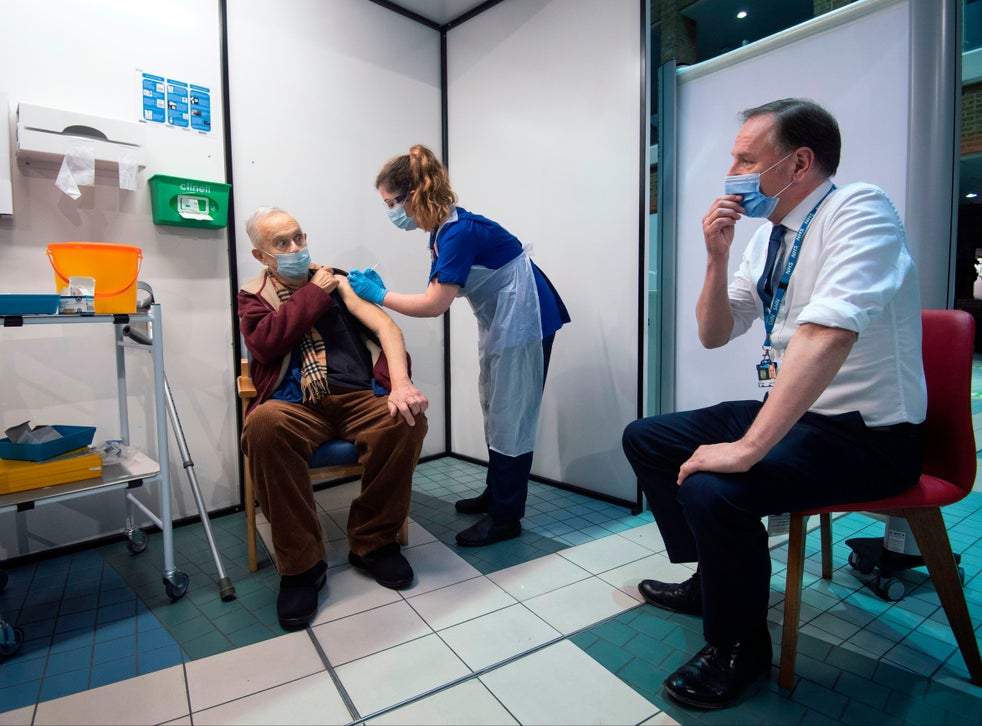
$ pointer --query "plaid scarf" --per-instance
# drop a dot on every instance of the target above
(313, 355)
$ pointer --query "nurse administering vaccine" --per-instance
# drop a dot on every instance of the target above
(518, 312)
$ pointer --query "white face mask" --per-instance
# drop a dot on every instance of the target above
(755, 202)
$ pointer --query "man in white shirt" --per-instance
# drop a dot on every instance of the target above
(833, 280)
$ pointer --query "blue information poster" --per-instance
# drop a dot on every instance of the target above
(177, 103)
(200, 104)
(154, 99)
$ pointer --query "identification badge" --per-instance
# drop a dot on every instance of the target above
(766, 372)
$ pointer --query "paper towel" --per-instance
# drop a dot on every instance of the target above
(77, 169)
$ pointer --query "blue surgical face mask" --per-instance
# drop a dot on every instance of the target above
(398, 217)
(755, 202)
(293, 265)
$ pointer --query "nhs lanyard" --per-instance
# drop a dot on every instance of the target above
(770, 315)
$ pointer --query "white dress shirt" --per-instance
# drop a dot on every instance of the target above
(854, 271)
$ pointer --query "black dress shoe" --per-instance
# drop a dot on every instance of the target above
(474, 505)
(684, 597)
(387, 565)
(296, 603)
(488, 531)
(717, 675)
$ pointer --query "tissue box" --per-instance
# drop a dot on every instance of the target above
(19, 476)
(72, 437)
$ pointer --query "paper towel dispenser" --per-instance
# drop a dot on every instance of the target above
(47, 134)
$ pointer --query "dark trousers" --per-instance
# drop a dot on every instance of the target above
(715, 519)
(279, 437)
(507, 483)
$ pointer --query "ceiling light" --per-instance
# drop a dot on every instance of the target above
(741, 15)
(971, 195)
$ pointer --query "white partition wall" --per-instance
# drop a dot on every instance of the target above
(544, 104)
(322, 94)
(84, 57)
(868, 87)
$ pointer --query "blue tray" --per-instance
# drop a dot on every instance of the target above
(72, 437)
(29, 304)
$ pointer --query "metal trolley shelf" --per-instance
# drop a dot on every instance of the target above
(134, 470)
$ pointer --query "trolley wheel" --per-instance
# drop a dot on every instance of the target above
(891, 588)
(861, 563)
(11, 638)
(3, 579)
(137, 541)
(176, 584)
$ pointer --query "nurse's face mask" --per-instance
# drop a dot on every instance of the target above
(754, 202)
(397, 212)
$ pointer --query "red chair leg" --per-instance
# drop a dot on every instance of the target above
(792, 600)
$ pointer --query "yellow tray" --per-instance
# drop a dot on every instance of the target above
(18, 476)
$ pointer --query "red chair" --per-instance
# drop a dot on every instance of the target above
(947, 476)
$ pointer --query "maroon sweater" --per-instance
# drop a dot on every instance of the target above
(272, 331)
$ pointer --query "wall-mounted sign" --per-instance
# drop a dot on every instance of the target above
(175, 103)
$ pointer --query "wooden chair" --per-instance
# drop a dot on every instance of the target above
(948, 475)
(331, 461)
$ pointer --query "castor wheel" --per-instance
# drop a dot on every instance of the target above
(861, 563)
(891, 588)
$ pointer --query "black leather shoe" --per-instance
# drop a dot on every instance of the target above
(488, 531)
(717, 675)
(685, 597)
(296, 603)
(474, 505)
(387, 565)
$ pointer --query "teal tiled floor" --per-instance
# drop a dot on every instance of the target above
(101, 615)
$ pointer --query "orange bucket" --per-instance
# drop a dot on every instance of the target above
(114, 267)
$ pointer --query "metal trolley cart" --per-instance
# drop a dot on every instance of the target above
(137, 469)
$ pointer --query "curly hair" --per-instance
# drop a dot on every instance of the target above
(420, 175)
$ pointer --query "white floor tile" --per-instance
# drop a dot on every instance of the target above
(498, 636)
(581, 604)
(17, 717)
(351, 591)
(469, 704)
(310, 700)
(332, 532)
(244, 671)
(339, 496)
(182, 721)
(605, 553)
(369, 632)
(418, 535)
(386, 679)
(561, 684)
(150, 699)
(653, 567)
(647, 535)
(539, 576)
(456, 603)
(436, 565)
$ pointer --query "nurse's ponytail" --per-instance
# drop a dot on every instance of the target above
(420, 174)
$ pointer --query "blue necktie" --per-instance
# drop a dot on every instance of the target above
(765, 287)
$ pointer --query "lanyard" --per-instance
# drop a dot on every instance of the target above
(770, 315)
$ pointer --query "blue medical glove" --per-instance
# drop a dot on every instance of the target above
(367, 285)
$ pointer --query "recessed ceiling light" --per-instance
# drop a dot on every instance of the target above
(741, 15)
(971, 195)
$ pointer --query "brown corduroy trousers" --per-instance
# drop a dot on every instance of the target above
(278, 439)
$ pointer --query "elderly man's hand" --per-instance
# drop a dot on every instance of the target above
(325, 279)
(407, 400)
